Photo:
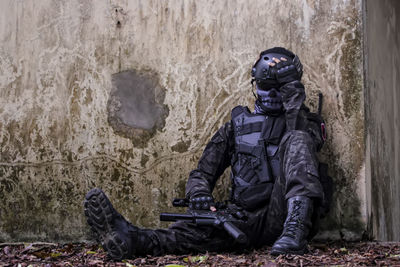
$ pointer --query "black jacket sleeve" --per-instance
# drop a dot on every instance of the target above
(293, 96)
(313, 124)
(298, 116)
(215, 159)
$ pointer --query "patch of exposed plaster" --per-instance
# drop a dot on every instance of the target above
(135, 106)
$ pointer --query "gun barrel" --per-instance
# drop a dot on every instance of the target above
(173, 217)
(320, 99)
(205, 221)
(237, 234)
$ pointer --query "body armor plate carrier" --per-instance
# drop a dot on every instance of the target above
(255, 164)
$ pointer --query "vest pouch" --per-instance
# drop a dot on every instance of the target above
(252, 197)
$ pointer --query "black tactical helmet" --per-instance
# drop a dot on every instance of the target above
(262, 72)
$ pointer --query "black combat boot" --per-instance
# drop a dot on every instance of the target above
(119, 238)
(293, 239)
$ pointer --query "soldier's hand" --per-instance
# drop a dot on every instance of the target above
(204, 202)
(284, 70)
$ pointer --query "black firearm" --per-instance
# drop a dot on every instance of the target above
(224, 217)
(320, 102)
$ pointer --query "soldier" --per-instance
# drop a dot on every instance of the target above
(274, 172)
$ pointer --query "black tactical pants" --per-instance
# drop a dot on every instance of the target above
(299, 177)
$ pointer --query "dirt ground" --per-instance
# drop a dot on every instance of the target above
(335, 254)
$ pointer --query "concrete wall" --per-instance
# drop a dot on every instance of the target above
(66, 124)
(382, 113)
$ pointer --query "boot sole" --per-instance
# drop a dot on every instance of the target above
(277, 252)
(99, 213)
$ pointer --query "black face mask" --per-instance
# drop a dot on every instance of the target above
(268, 101)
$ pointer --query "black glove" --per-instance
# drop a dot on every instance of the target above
(201, 202)
(286, 70)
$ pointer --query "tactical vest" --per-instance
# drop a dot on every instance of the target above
(255, 164)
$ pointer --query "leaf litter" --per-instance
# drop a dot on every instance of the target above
(321, 254)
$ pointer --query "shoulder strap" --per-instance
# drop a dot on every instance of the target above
(273, 129)
(236, 111)
(247, 128)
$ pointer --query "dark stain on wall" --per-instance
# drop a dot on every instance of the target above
(135, 107)
(181, 146)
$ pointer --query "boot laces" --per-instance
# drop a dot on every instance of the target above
(294, 222)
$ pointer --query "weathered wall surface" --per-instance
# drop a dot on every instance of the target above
(382, 112)
(65, 126)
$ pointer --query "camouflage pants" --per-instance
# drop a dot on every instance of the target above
(299, 177)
